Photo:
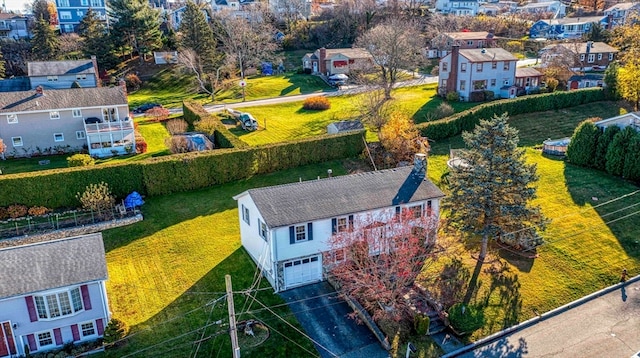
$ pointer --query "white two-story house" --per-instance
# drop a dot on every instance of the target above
(287, 228)
(52, 293)
(469, 70)
(44, 122)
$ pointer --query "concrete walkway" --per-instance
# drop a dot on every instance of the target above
(603, 324)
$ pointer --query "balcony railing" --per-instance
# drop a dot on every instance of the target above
(108, 127)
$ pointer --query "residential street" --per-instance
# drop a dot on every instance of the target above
(606, 326)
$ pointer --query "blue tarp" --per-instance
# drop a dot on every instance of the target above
(132, 200)
(267, 69)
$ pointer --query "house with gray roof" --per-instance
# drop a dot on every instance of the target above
(44, 121)
(52, 293)
(337, 61)
(14, 26)
(62, 74)
(466, 71)
(286, 229)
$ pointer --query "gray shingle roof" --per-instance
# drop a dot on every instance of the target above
(62, 99)
(289, 204)
(487, 54)
(54, 68)
(51, 264)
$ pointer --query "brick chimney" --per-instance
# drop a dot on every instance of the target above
(39, 91)
(123, 84)
(95, 69)
(452, 80)
(420, 165)
(322, 55)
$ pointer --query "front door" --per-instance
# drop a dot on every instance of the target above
(7, 343)
(315, 66)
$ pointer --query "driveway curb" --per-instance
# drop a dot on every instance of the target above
(540, 318)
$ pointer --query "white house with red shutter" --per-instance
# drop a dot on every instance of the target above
(52, 293)
(337, 61)
(286, 229)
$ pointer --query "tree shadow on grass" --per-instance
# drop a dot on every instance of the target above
(162, 212)
(590, 187)
(197, 320)
(502, 348)
(305, 84)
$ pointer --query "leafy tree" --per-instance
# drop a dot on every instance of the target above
(115, 331)
(582, 148)
(597, 33)
(392, 45)
(616, 153)
(604, 140)
(45, 42)
(400, 138)
(627, 39)
(137, 25)
(45, 9)
(70, 46)
(491, 194)
(631, 168)
(96, 197)
(93, 33)
(2, 68)
(629, 82)
(375, 268)
(611, 80)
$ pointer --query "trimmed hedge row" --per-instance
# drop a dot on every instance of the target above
(176, 173)
(204, 121)
(467, 120)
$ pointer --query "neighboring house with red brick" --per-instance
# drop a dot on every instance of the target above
(337, 61)
(442, 43)
(52, 293)
(579, 56)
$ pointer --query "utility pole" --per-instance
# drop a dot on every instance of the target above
(233, 331)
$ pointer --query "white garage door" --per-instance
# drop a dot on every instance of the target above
(302, 271)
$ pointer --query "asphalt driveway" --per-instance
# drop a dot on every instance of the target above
(324, 318)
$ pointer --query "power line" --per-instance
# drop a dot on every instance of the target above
(287, 338)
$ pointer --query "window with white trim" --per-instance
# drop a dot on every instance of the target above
(463, 67)
(581, 57)
(81, 135)
(65, 15)
(84, 2)
(45, 339)
(479, 67)
(59, 304)
(58, 137)
(611, 56)
(599, 56)
(96, 3)
(494, 65)
(54, 115)
(262, 229)
(245, 215)
(592, 57)
(110, 114)
(76, 113)
(12, 118)
(463, 85)
(52, 78)
(301, 233)
(81, 76)
(88, 329)
(506, 65)
(80, 13)
(342, 224)
(415, 211)
(444, 66)
(16, 141)
(493, 82)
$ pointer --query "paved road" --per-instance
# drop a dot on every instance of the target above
(324, 318)
(607, 326)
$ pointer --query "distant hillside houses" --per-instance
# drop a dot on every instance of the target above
(566, 28)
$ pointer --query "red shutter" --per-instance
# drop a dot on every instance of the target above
(58, 336)
(4, 350)
(75, 332)
(33, 315)
(85, 297)
(100, 326)
(32, 343)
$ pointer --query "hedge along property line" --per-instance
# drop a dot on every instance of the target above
(467, 120)
(204, 121)
(170, 174)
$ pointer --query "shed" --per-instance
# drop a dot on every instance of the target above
(344, 126)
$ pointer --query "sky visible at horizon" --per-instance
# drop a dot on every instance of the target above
(15, 5)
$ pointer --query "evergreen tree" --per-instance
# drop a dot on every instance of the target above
(617, 151)
(45, 42)
(490, 194)
(603, 145)
(582, 148)
(44, 9)
(611, 80)
(137, 26)
(631, 169)
(96, 43)
(196, 34)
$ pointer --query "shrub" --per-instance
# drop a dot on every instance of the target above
(4, 214)
(489, 95)
(17, 211)
(158, 113)
(316, 103)
(38, 210)
(443, 110)
(466, 319)
(453, 96)
(582, 148)
(177, 144)
(96, 197)
(115, 331)
(307, 71)
(421, 324)
(177, 126)
(141, 145)
(631, 168)
(476, 96)
(552, 84)
(133, 81)
(604, 140)
(80, 160)
(617, 151)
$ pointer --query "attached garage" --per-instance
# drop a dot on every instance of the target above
(302, 271)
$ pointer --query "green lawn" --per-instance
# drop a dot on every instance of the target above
(585, 248)
(164, 271)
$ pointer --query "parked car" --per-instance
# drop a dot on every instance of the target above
(145, 107)
(248, 122)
